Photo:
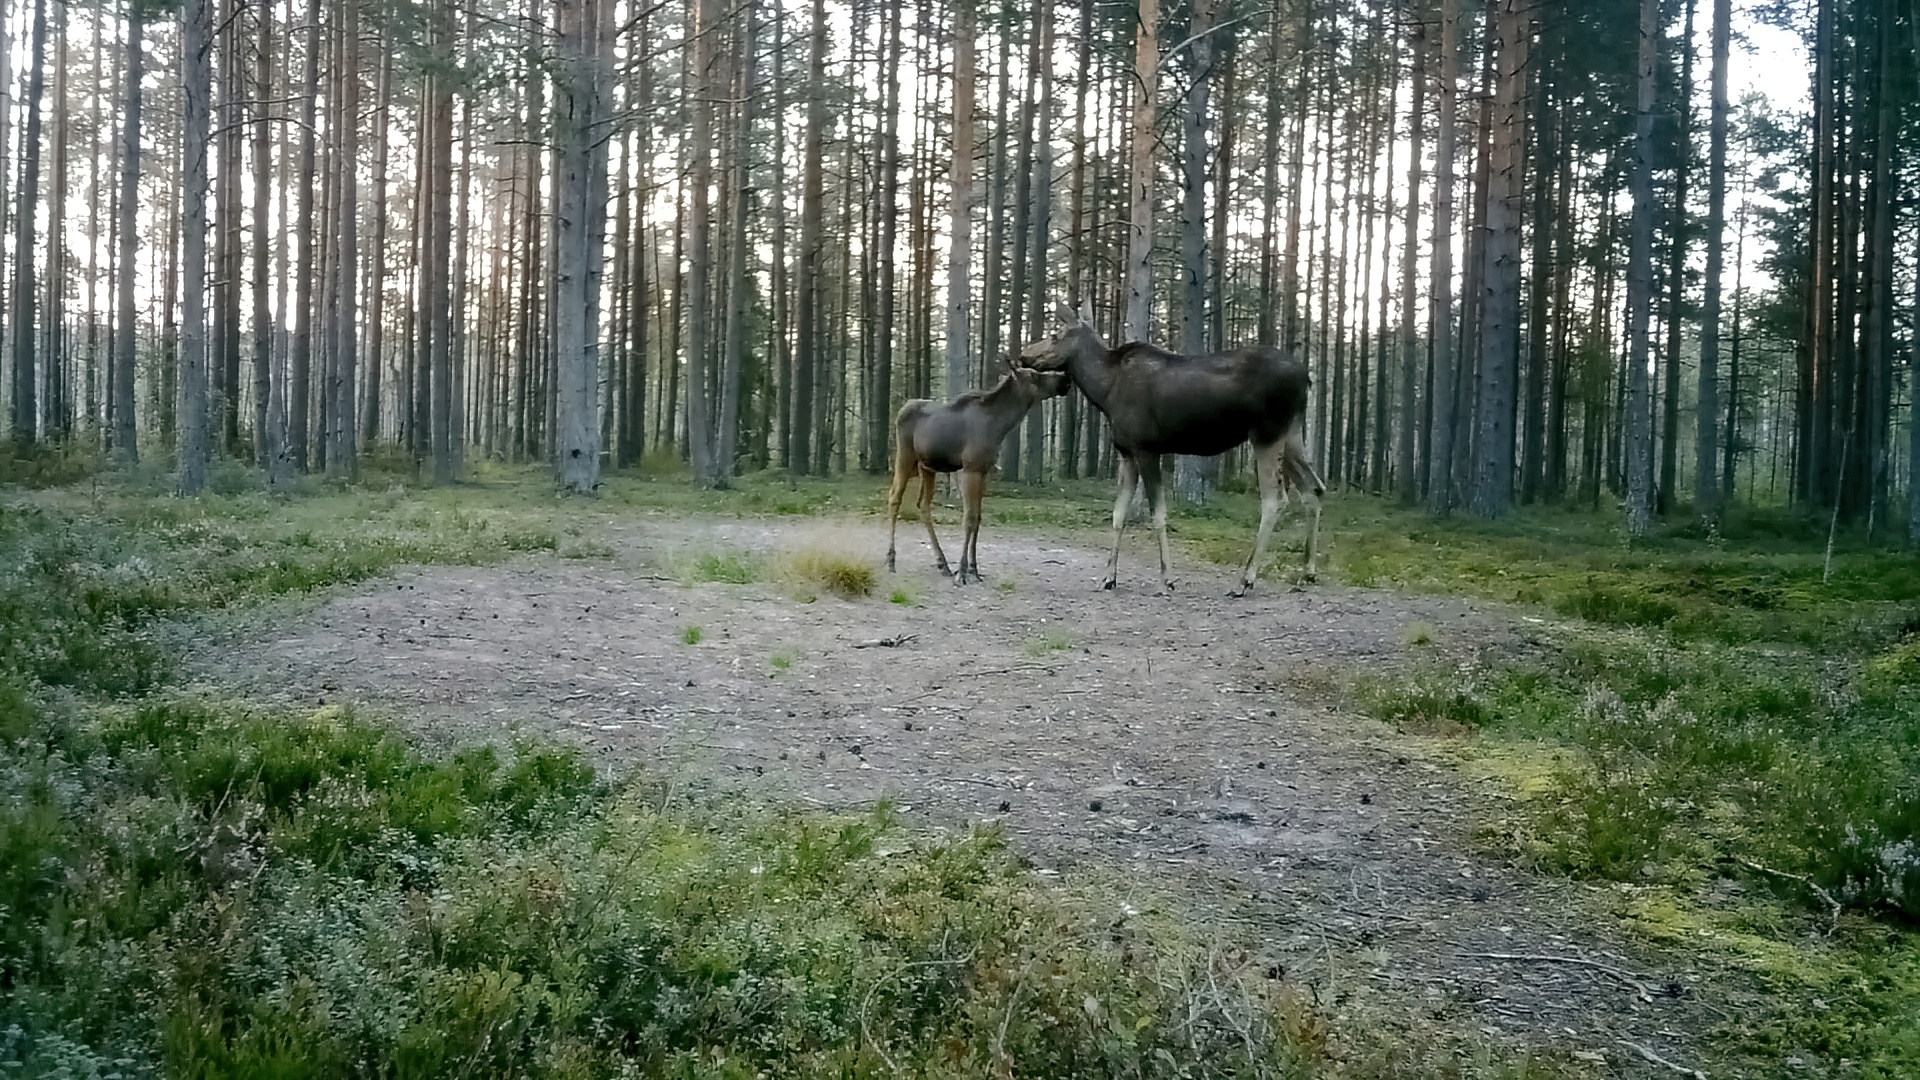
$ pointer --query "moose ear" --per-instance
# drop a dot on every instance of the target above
(1065, 315)
(1006, 361)
(1085, 315)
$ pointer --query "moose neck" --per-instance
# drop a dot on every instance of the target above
(1087, 363)
(1006, 404)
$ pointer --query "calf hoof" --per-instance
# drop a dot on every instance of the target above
(1107, 585)
(890, 568)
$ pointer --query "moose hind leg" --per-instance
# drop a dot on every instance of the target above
(1129, 479)
(926, 515)
(1157, 501)
(1266, 461)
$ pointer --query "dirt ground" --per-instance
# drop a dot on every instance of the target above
(1184, 743)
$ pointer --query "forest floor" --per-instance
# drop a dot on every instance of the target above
(1192, 750)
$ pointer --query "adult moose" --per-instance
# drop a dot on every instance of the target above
(1159, 403)
(964, 437)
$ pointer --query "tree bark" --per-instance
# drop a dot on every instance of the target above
(300, 350)
(734, 344)
(196, 85)
(1440, 430)
(961, 204)
(1639, 419)
(577, 264)
(343, 456)
(1707, 453)
(124, 441)
(26, 377)
(1405, 457)
(1146, 85)
(1042, 224)
(1190, 479)
(1500, 303)
(808, 317)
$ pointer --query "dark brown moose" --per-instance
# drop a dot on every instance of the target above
(964, 437)
(1157, 403)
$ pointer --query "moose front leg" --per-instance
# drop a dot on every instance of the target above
(926, 515)
(1150, 476)
(1129, 479)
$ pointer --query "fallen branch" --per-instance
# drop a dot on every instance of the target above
(1656, 1059)
(1833, 906)
(885, 642)
(1646, 992)
(1007, 670)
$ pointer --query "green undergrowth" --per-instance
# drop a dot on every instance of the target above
(1716, 728)
(197, 886)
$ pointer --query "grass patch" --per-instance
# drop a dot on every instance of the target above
(847, 577)
(727, 567)
(1050, 641)
(782, 661)
(1420, 632)
(692, 635)
(903, 596)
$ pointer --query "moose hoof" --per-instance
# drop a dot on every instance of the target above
(1107, 585)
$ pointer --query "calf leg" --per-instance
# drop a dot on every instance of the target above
(904, 466)
(1157, 501)
(1300, 471)
(1266, 462)
(1129, 478)
(926, 515)
(973, 492)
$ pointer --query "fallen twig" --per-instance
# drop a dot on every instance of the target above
(1007, 670)
(886, 642)
(1833, 906)
(1656, 1059)
(1646, 992)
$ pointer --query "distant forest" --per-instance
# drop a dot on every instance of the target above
(1515, 241)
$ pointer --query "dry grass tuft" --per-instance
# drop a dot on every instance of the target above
(846, 576)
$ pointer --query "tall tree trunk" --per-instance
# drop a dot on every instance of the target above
(196, 86)
(300, 350)
(1042, 223)
(438, 269)
(343, 456)
(735, 345)
(1440, 432)
(1499, 336)
(1270, 184)
(1667, 494)
(1146, 85)
(577, 259)
(703, 88)
(1408, 474)
(1639, 419)
(808, 318)
(961, 203)
(880, 425)
(376, 351)
(26, 379)
(1190, 479)
(1297, 168)
(269, 450)
(126, 273)
(1706, 483)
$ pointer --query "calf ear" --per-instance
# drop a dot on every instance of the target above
(1006, 360)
